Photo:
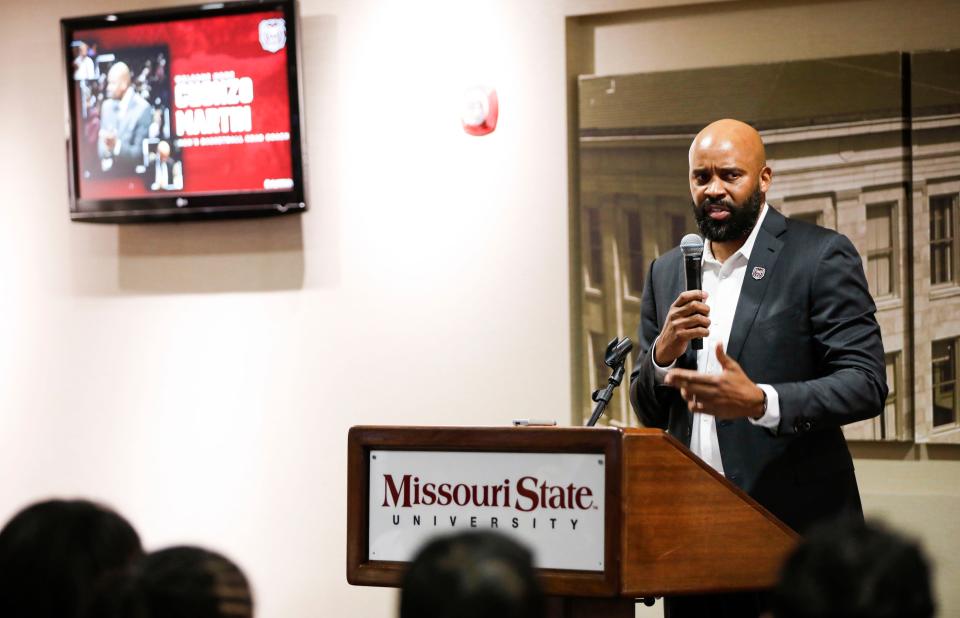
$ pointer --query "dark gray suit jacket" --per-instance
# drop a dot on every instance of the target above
(807, 328)
(131, 128)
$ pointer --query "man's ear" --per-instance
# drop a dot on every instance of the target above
(766, 178)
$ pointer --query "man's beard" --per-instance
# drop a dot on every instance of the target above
(735, 227)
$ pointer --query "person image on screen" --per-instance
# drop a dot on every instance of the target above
(124, 122)
(791, 346)
(168, 174)
(83, 67)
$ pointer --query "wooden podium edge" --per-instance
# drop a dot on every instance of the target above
(733, 488)
(789, 536)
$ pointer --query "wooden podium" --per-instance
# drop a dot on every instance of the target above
(671, 524)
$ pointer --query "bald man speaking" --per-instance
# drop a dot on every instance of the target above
(791, 346)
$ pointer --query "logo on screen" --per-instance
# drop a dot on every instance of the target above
(273, 35)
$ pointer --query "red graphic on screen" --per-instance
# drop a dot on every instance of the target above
(183, 108)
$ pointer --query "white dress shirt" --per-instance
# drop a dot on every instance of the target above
(722, 283)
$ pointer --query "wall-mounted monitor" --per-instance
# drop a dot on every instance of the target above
(184, 113)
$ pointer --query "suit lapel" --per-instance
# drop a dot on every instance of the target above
(764, 255)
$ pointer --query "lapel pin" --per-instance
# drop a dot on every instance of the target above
(758, 272)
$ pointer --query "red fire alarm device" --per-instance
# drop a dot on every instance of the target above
(480, 110)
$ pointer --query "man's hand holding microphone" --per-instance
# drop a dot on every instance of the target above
(728, 394)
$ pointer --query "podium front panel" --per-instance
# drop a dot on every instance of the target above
(554, 489)
(551, 502)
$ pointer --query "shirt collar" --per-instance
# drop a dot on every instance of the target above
(747, 244)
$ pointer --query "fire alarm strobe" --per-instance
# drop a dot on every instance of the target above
(480, 110)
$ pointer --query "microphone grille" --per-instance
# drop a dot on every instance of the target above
(691, 244)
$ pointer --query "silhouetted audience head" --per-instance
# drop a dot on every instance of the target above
(53, 554)
(178, 582)
(854, 570)
(472, 575)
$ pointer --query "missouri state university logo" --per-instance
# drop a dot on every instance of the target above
(486, 505)
(527, 494)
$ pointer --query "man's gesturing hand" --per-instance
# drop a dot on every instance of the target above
(729, 394)
(687, 319)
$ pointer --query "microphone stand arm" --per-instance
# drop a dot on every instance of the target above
(603, 396)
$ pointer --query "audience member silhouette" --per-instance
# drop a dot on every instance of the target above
(472, 575)
(53, 555)
(178, 582)
(854, 570)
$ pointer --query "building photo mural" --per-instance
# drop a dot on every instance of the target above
(868, 146)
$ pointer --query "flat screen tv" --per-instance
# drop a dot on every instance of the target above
(184, 113)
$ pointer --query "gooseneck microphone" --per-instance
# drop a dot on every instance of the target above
(691, 246)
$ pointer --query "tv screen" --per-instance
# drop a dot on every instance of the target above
(180, 113)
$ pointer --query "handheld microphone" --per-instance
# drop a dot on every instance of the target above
(691, 246)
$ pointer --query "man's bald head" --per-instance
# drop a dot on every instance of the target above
(729, 135)
(118, 80)
(729, 179)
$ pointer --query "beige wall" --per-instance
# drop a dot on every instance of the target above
(753, 31)
(201, 377)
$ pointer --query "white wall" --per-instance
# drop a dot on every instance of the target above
(202, 377)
